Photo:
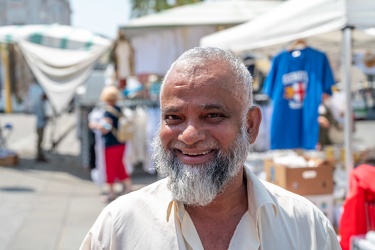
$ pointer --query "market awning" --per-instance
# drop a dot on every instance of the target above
(337, 26)
(319, 21)
(61, 57)
(158, 39)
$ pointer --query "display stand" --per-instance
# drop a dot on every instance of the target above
(84, 108)
(8, 158)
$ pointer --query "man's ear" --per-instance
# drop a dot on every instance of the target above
(254, 118)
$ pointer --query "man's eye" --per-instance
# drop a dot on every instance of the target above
(214, 118)
(214, 115)
(171, 117)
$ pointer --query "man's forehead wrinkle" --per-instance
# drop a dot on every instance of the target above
(197, 75)
(208, 106)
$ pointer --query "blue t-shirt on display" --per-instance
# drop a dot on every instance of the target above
(295, 84)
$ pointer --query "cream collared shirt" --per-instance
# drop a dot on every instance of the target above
(149, 219)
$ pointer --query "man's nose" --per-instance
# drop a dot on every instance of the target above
(191, 134)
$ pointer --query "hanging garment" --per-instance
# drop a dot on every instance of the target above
(153, 124)
(123, 55)
(262, 143)
(358, 216)
(295, 84)
(98, 174)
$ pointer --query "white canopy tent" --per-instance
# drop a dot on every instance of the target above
(331, 25)
(61, 57)
(158, 39)
(205, 13)
(321, 21)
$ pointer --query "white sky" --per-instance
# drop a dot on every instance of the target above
(100, 16)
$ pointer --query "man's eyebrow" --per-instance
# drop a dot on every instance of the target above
(170, 109)
(210, 106)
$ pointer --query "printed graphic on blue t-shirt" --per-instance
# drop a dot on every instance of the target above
(295, 84)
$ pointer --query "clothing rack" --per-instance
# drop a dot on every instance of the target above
(133, 103)
(130, 103)
(84, 108)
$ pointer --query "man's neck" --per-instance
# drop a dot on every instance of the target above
(217, 222)
(233, 197)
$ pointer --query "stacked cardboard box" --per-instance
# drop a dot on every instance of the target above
(314, 180)
(9, 160)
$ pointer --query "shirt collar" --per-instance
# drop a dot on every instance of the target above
(169, 209)
(257, 195)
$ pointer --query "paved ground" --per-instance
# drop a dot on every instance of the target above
(52, 206)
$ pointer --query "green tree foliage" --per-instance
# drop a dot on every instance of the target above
(145, 7)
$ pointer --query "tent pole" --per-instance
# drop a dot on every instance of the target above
(348, 124)
(6, 86)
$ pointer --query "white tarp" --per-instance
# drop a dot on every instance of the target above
(53, 35)
(320, 21)
(61, 57)
(58, 71)
(205, 13)
(155, 51)
(158, 39)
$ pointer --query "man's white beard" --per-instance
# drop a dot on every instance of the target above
(199, 184)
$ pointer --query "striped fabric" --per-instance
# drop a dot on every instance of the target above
(53, 35)
(60, 57)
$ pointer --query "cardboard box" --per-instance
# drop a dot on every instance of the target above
(325, 202)
(301, 180)
(9, 160)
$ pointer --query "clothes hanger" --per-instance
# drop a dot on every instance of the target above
(298, 44)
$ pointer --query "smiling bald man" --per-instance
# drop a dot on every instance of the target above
(209, 199)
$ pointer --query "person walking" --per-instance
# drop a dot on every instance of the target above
(114, 150)
(41, 122)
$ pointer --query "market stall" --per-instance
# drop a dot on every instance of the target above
(60, 58)
(158, 39)
(335, 26)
